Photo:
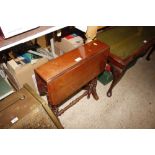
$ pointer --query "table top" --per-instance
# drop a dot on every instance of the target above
(70, 59)
(27, 36)
(125, 40)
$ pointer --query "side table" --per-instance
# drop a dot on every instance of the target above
(62, 77)
(120, 66)
(127, 44)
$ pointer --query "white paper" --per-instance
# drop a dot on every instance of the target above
(78, 59)
(14, 120)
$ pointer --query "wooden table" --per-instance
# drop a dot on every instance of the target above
(62, 77)
(127, 44)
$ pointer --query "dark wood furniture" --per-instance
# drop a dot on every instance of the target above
(25, 109)
(120, 66)
(127, 44)
(64, 76)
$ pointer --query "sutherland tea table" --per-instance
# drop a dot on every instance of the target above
(62, 77)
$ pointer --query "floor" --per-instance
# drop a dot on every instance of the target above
(132, 104)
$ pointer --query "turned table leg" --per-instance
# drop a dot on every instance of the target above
(94, 93)
(92, 89)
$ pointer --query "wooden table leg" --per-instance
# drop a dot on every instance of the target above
(117, 75)
(94, 93)
(92, 89)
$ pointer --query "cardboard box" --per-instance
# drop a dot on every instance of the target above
(24, 74)
(68, 43)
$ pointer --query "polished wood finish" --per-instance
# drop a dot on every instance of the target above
(62, 77)
(120, 66)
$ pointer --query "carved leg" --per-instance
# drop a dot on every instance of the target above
(89, 89)
(94, 93)
(92, 89)
(117, 75)
(151, 50)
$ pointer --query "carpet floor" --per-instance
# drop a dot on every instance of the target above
(132, 104)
